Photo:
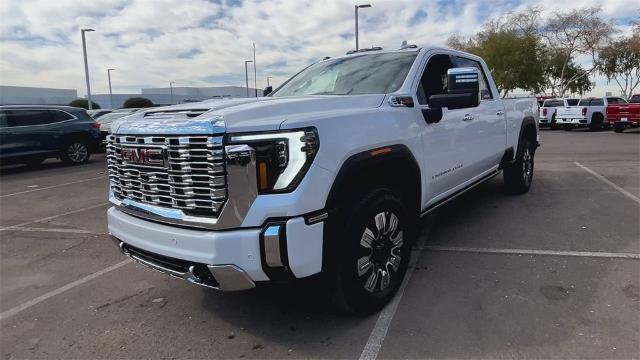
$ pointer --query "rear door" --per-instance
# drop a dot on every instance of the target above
(34, 130)
(484, 136)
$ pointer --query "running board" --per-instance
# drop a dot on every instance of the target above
(453, 196)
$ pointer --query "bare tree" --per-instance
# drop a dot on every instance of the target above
(620, 61)
(574, 33)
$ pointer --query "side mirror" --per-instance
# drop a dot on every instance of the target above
(267, 90)
(463, 90)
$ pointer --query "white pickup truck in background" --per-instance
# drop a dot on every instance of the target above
(549, 108)
(327, 175)
(590, 112)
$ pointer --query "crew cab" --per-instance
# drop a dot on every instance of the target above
(29, 134)
(623, 115)
(549, 108)
(325, 177)
(590, 112)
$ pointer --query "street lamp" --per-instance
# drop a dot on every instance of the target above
(171, 90)
(359, 7)
(246, 75)
(269, 77)
(110, 92)
(86, 65)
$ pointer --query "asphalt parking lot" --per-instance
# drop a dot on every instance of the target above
(551, 274)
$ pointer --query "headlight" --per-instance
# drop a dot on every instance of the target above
(282, 158)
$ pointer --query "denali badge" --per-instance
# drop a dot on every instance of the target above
(143, 156)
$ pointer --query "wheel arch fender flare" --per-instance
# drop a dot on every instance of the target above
(398, 154)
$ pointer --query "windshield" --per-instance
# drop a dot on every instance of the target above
(360, 74)
(553, 103)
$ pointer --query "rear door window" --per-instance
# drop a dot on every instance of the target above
(34, 117)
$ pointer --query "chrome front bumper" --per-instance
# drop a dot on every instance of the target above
(221, 277)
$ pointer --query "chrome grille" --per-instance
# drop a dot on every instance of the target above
(193, 177)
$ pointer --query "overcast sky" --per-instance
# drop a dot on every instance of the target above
(205, 43)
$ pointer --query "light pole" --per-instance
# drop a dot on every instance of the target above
(110, 92)
(359, 7)
(171, 90)
(86, 66)
(269, 77)
(246, 75)
(255, 72)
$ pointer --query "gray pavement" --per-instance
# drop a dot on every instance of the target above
(459, 303)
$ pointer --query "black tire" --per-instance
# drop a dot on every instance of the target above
(596, 122)
(519, 175)
(552, 124)
(618, 128)
(374, 253)
(567, 127)
(76, 152)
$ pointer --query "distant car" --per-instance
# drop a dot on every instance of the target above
(108, 119)
(549, 108)
(29, 134)
(624, 115)
(98, 113)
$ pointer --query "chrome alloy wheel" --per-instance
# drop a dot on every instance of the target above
(527, 166)
(383, 246)
(77, 152)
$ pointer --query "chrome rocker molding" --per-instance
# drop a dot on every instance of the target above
(228, 277)
(242, 190)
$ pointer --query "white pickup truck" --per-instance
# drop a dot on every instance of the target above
(326, 175)
(550, 107)
(590, 112)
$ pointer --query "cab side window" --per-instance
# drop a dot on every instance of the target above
(32, 117)
(485, 92)
(434, 78)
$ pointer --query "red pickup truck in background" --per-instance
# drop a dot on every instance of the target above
(623, 115)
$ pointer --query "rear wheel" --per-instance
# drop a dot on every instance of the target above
(596, 123)
(75, 152)
(376, 249)
(519, 175)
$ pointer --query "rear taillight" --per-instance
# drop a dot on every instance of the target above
(544, 112)
(95, 125)
(584, 111)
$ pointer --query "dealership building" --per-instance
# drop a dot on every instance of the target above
(22, 95)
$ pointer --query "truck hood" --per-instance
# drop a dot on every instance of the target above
(238, 115)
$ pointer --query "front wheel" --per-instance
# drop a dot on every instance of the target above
(596, 123)
(75, 152)
(519, 175)
(376, 253)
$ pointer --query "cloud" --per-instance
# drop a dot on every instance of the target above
(205, 43)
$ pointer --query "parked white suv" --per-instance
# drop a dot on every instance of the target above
(327, 175)
(550, 107)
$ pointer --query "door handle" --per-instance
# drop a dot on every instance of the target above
(467, 117)
(500, 113)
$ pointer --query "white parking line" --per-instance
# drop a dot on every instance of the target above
(379, 331)
(593, 254)
(53, 216)
(55, 230)
(52, 187)
(608, 182)
(11, 312)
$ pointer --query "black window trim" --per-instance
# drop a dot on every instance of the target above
(73, 117)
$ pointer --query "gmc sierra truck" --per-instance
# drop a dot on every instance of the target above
(327, 175)
(624, 115)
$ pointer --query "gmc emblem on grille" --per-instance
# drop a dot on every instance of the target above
(143, 156)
